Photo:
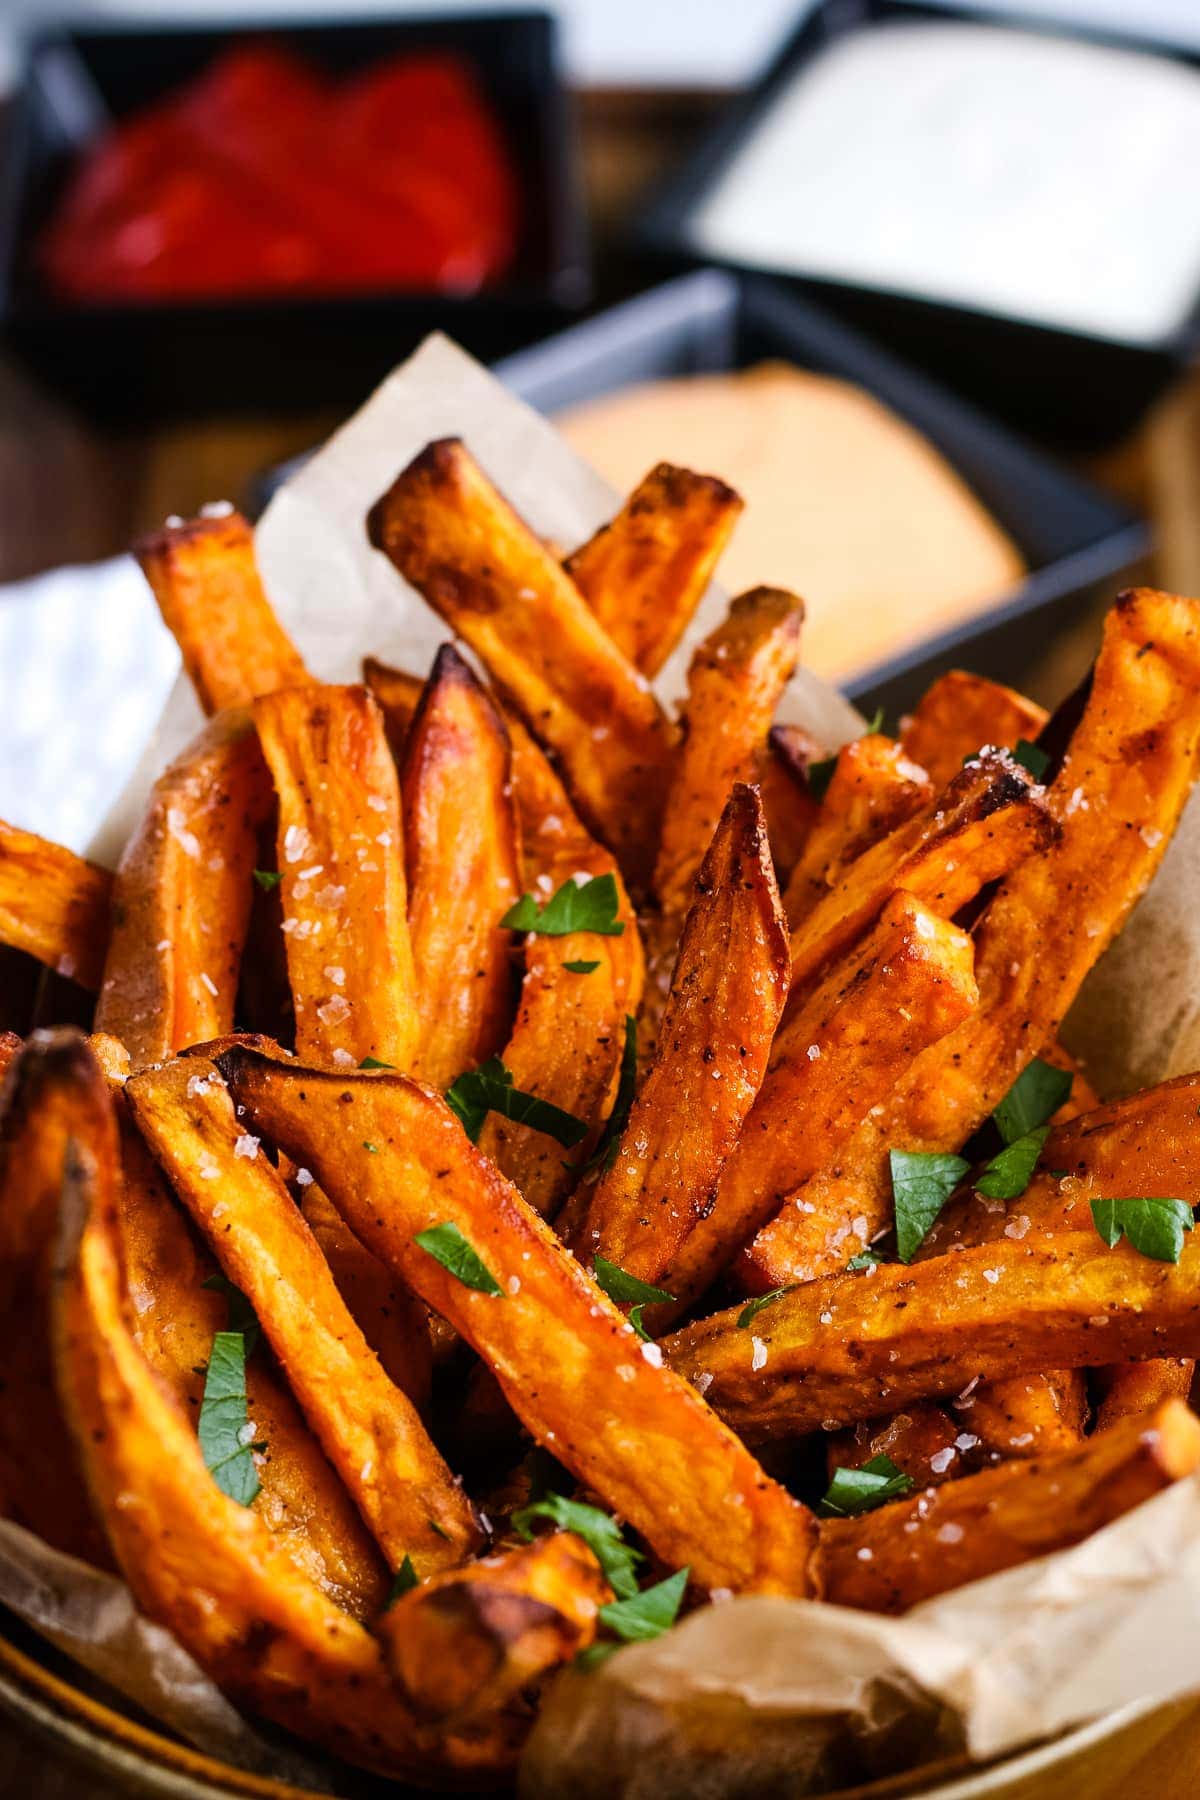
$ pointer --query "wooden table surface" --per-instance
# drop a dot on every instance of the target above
(69, 493)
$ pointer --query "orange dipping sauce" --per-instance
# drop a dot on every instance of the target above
(263, 178)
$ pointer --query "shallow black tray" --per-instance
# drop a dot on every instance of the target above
(156, 360)
(1072, 536)
(1064, 387)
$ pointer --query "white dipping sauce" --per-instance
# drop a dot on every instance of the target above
(1036, 177)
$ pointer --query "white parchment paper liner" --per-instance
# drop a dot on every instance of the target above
(789, 1684)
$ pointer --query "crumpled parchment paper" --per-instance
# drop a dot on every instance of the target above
(755, 1696)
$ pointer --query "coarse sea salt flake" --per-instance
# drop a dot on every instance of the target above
(950, 1533)
(758, 1358)
(653, 1355)
(940, 1461)
(304, 1178)
(335, 974)
(296, 842)
(246, 1146)
(187, 840)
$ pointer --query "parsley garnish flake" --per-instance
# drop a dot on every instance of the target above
(490, 1089)
(1154, 1227)
(447, 1245)
(577, 906)
(855, 1491)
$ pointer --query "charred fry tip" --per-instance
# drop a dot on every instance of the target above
(781, 604)
(677, 485)
(213, 1048)
(438, 460)
(58, 1054)
(477, 1635)
(1005, 783)
(450, 670)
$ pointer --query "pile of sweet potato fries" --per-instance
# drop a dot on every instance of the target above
(661, 1124)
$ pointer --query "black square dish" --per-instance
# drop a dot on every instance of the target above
(1065, 386)
(152, 360)
(1072, 536)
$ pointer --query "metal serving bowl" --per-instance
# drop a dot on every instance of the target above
(1142, 1750)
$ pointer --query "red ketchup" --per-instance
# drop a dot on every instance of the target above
(262, 178)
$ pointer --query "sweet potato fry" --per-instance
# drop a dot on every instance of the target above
(848, 1347)
(736, 678)
(790, 808)
(456, 540)
(1150, 1134)
(726, 999)
(874, 788)
(54, 1093)
(205, 578)
(959, 714)
(207, 1568)
(175, 1314)
(888, 1560)
(340, 854)
(1129, 1389)
(53, 905)
(470, 1641)
(460, 838)
(1027, 1415)
(181, 898)
(393, 1321)
(986, 821)
(909, 982)
(570, 1365)
(567, 1038)
(368, 1428)
(644, 574)
(1125, 778)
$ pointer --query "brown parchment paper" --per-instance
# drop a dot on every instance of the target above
(754, 1696)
